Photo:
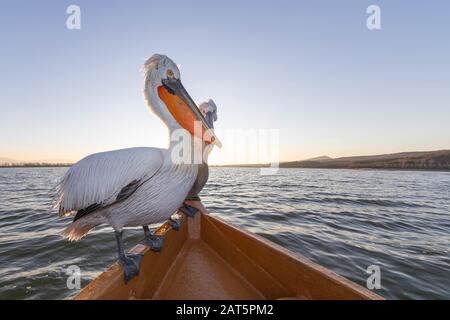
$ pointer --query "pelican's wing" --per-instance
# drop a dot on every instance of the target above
(104, 178)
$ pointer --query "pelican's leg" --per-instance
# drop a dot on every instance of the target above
(188, 210)
(130, 263)
(175, 223)
(155, 242)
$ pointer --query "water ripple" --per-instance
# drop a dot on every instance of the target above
(344, 220)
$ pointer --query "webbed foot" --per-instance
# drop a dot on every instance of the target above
(131, 264)
(156, 242)
(175, 223)
(190, 211)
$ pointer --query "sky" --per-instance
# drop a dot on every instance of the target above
(311, 70)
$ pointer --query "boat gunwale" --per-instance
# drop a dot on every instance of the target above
(100, 286)
(298, 258)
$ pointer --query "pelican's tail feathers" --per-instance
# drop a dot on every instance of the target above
(78, 229)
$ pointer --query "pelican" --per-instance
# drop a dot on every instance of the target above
(209, 111)
(138, 186)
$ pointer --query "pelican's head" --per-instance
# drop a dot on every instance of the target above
(209, 111)
(170, 101)
(159, 67)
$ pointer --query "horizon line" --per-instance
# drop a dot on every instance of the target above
(13, 162)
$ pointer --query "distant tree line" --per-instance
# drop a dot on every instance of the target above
(33, 165)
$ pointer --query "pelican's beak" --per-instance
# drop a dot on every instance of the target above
(184, 109)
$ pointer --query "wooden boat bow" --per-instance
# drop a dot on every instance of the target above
(211, 259)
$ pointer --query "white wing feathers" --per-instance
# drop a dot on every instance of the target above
(98, 178)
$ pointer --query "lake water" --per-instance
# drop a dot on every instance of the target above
(345, 220)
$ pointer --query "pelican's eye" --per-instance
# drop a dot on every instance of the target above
(170, 74)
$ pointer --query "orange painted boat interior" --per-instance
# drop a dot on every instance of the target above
(211, 259)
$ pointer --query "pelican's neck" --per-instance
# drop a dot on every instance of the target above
(206, 149)
(158, 107)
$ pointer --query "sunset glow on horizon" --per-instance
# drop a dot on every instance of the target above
(312, 71)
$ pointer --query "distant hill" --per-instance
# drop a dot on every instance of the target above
(427, 160)
(420, 160)
(321, 158)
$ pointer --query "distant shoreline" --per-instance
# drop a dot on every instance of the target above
(331, 168)
(417, 161)
(422, 160)
(258, 167)
(63, 165)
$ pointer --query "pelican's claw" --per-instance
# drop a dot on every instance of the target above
(131, 265)
(175, 224)
(189, 210)
(155, 242)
